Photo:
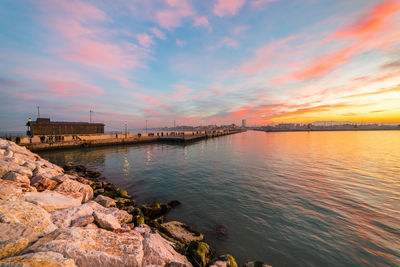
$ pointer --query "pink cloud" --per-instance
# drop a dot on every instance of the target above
(155, 102)
(240, 29)
(228, 7)
(80, 11)
(181, 90)
(175, 11)
(145, 40)
(263, 55)
(259, 3)
(158, 33)
(85, 37)
(202, 22)
(71, 88)
(225, 41)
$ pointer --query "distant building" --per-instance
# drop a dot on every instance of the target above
(43, 126)
(286, 125)
(331, 123)
(243, 123)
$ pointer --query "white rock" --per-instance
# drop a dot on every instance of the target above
(45, 172)
(27, 214)
(158, 251)
(46, 164)
(51, 201)
(9, 154)
(94, 247)
(63, 218)
(71, 186)
(24, 171)
(10, 190)
(29, 164)
(14, 237)
(43, 259)
(106, 221)
(17, 177)
(6, 166)
(122, 216)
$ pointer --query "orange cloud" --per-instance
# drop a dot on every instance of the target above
(240, 113)
(329, 62)
(381, 91)
(368, 29)
(373, 21)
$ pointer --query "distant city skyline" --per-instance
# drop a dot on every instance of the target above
(199, 62)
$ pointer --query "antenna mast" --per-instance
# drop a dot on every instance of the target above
(38, 111)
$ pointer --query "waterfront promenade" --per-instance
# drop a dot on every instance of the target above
(62, 142)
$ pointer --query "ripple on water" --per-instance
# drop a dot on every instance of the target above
(289, 199)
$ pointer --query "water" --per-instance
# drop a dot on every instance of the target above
(288, 199)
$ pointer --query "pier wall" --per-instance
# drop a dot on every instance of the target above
(68, 141)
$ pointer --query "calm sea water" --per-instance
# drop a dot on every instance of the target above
(288, 199)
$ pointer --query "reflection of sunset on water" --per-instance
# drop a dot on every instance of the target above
(289, 198)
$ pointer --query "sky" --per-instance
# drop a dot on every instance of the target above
(199, 62)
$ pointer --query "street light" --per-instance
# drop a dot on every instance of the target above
(126, 129)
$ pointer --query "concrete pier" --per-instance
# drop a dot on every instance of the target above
(62, 142)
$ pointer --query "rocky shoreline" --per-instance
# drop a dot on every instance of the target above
(53, 216)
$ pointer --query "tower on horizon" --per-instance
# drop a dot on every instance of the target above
(243, 123)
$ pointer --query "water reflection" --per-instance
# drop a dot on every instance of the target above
(289, 199)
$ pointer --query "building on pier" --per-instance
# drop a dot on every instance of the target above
(43, 126)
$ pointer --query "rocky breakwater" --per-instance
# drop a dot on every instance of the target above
(49, 218)
(52, 216)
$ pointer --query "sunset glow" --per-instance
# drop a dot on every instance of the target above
(200, 62)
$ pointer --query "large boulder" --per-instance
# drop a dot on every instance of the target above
(10, 190)
(40, 173)
(82, 221)
(14, 237)
(121, 215)
(44, 164)
(40, 259)
(181, 232)
(94, 247)
(79, 214)
(106, 221)
(71, 186)
(105, 201)
(64, 218)
(158, 251)
(6, 166)
(28, 215)
(29, 164)
(199, 253)
(51, 201)
(43, 183)
(17, 177)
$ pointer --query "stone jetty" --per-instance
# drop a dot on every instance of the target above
(52, 216)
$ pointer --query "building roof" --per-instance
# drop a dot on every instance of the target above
(47, 121)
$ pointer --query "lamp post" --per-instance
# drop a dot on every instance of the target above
(126, 129)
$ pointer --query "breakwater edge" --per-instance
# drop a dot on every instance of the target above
(53, 216)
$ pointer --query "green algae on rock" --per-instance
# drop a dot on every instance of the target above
(199, 253)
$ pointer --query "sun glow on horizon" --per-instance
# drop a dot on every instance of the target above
(200, 62)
